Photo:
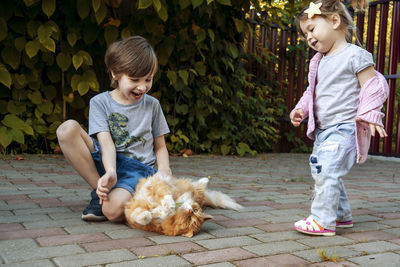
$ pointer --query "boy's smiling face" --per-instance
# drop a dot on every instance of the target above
(131, 89)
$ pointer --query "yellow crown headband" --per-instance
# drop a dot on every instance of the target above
(313, 9)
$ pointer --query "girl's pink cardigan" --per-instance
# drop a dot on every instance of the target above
(372, 96)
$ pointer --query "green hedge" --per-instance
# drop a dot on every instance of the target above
(52, 63)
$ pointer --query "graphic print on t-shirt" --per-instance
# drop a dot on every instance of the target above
(120, 135)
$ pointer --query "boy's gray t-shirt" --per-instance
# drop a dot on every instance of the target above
(133, 127)
(337, 91)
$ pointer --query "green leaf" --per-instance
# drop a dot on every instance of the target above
(233, 50)
(96, 5)
(211, 34)
(184, 75)
(32, 27)
(209, 1)
(49, 44)
(225, 149)
(5, 77)
(163, 13)
(36, 97)
(225, 2)
(157, 5)
(5, 137)
(27, 129)
(20, 43)
(17, 135)
(48, 7)
(184, 3)
(74, 82)
(44, 32)
(46, 107)
(77, 60)
(90, 77)
(72, 38)
(196, 3)
(41, 129)
(16, 107)
(83, 87)
(83, 8)
(201, 35)
(239, 25)
(29, 3)
(242, 149)
(12, 121)
(63, 61)
(50, 92)
(200, 67)
(32, 47)
(172, 77)
(53, 127)
(87, 59)
(144, 4)
(101, 13)
(182, 109)
(165, 49)
(38, 114)
(20, 79)
(111, 34)
(3, 29)
(11, 56)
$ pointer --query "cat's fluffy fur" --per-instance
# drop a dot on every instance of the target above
(172, 206)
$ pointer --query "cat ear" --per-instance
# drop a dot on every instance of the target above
(207, 217)
(188, 234)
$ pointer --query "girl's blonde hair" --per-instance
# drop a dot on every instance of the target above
(132, 56)
(330, 7)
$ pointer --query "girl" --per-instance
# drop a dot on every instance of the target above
(126, 132)
(342, 103)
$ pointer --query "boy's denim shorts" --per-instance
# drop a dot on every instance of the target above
(129, 170)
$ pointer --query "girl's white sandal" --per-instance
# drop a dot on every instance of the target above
(311, 227)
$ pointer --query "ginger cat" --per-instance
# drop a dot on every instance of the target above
(173, 206)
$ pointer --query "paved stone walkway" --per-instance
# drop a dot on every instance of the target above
(41, 199)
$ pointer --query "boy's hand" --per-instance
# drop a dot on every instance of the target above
(375, 128)
(164, 172)
(104, 185)
(296, 116)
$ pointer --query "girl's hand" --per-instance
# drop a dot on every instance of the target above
(104, 185)
(296, 116)
(375, 128)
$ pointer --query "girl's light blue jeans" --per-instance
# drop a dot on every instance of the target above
(333, 155)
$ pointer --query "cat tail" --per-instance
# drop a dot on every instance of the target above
(216, 199)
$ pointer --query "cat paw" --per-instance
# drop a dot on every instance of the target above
(144, 218)
(203, 181)
(169, 204)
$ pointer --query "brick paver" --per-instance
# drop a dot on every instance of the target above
(41, 199)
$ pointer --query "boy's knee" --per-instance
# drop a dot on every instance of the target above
(66, 129)
(113, 211)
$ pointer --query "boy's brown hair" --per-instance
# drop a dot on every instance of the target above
(132, 56)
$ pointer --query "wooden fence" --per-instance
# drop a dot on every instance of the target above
(378, 30)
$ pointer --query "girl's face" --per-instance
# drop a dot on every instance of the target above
(320, 33)
(131, 89)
